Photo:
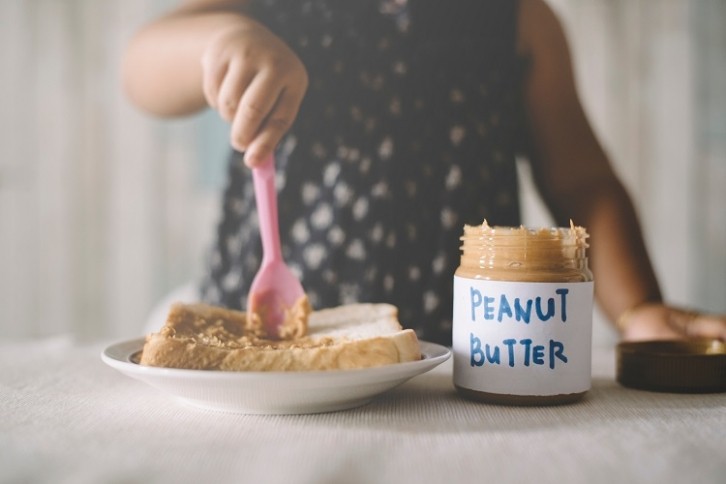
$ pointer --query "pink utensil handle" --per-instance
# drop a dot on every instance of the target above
(266, 198)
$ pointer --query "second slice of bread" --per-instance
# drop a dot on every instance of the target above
(199, 336)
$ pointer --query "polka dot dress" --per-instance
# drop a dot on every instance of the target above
(407, 132)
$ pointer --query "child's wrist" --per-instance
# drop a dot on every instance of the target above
(626, 317)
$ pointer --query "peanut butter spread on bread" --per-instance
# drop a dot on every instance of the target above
(230, 329)
(294, 326)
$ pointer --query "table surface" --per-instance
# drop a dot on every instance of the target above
(67, 417)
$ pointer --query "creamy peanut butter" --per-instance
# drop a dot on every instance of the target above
(244, 331)
(524, 254)
(294, 325)
(523, 315)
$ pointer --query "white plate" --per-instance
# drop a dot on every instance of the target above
(273, 392)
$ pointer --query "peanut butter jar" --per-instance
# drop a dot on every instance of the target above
(522, 318)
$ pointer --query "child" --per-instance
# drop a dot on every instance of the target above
(394, 123)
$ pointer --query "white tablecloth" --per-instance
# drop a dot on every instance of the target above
(67, 417)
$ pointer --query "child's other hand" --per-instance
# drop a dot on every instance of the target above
(660, 321)
(256, 83)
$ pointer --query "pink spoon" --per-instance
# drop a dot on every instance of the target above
(275, 289)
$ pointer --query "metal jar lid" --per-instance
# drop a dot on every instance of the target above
(693, 366)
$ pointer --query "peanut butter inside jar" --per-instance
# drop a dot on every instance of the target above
(522, 322)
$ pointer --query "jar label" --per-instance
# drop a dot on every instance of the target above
(522, 338)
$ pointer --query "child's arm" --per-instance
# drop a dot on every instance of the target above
(208, 52)
(576, 180)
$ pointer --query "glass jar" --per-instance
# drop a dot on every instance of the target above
(522, 321)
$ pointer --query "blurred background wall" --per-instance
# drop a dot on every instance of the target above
(103, 209)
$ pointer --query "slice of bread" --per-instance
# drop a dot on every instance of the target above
(203, 337)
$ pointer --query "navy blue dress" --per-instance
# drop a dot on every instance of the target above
(407, 132)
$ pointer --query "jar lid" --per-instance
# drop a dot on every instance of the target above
(693, 366)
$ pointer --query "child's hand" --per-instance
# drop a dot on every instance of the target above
(659, 321)
(256, 83)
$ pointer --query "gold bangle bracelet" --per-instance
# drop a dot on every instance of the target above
(621, 321)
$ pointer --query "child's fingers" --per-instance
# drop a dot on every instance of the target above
(213, 74)
(275, 126)
(699, 325)
(255, 105)
(233, 87)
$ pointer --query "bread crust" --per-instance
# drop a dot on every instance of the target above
(205, 337)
